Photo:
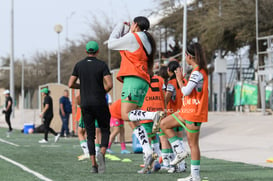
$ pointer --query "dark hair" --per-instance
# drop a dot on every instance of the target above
(173, 65)
(163, 73)
(144, 24)
(195, 50)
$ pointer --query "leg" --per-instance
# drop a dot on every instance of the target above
(122, 140)
(193, 139)
(66, 122)
(103, 116)
(46, 124)
(82, 139)
(97, 138)
(167, 126)
(7, 117)
(113, 134)
(165, 151)
(63, 127)
(89, 123)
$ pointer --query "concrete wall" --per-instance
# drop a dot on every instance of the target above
(56, 92)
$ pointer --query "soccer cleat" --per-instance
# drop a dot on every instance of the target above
(190, 178)
(177, 169)
(43, 141)
(181, 167)
(164, 167)
(57, 137)
(143, 171)
(83, 157)
(172, 169)
(125, 152)
(149, 162)
(101, 162)
(94, 169)
(156, 166)
(158, 117)
(109, 151)
(179, 157)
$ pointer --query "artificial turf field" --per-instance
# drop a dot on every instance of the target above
(59, 162)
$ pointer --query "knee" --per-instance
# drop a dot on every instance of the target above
(163, 124)
(124, 116)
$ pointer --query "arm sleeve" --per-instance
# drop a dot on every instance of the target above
(46, 101)
(170, 88)
(76, 71)
(195, 77)
(118, 42)
(106, 70)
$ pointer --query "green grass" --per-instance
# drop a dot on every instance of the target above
(59, 162)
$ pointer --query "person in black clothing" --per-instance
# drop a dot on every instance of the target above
(95, 82)
(47, 115)
(8, 108)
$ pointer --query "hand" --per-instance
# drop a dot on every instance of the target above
(178, 72)
(63, 114)
(4, 112)
(41, 115)
(126, 28)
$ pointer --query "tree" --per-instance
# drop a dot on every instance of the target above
(221, 24)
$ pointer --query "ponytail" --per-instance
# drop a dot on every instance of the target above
(152, 54)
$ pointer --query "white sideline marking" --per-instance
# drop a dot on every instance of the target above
(52, 146)
(40, 176)
(4, 141)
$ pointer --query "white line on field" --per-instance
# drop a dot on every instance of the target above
(53, 146)
(40, 176)
(4, 141)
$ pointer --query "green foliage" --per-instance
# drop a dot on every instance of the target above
(221, 24)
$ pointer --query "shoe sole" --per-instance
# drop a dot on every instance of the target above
(180, 160)
(148, 166)
(156, 125)
(101, 162)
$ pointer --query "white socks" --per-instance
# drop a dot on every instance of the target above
(156, 149)
(142, 137)
(177, 146)
(137, 115)
(195, 170)
(84, 147)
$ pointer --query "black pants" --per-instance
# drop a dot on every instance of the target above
(47, 121)
(102, 115)
(7, 117)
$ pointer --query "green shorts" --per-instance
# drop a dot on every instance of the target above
(195, 123)
(187, 122)
(176, 129)
(81, 123)
(135, 89)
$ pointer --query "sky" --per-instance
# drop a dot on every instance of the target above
(34, 21)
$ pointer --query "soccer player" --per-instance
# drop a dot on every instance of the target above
(47, 116)
(154, 101)
(173, 100)
(8, 109)
(193, 112)
(118, 127)
(137, 49)
(81, 130)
